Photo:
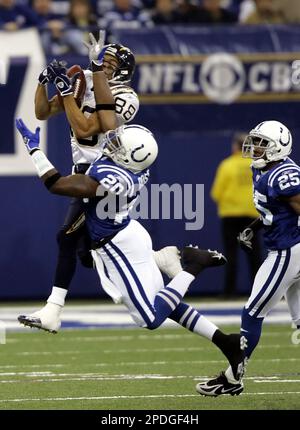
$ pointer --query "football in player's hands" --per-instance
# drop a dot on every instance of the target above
(76, 75)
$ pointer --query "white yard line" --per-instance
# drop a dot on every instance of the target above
(126, 338)
(140, 363)
(64, 377)
(136, 350)
(153, 396)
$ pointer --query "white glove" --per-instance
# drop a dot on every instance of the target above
(95, 47)
(245, 239)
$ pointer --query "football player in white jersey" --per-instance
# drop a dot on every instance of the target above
(276, 183)
(86, 135)
(87, 132)
(122, 244)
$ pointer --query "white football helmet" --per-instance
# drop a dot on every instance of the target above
(273, 137)
(131, 146)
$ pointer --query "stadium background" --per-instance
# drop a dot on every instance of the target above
(196, 99)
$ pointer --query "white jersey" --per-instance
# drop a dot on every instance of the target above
(127, 104)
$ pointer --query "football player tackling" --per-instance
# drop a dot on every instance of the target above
(276, 181)
(87, 131)
(121, 245)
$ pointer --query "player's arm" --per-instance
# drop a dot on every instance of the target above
(82, 126)
(105, 102)
(294, 202)
(245, 237)
(286, 187)
(45, 108)
(72, 186)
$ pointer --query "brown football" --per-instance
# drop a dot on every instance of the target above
(77, 77)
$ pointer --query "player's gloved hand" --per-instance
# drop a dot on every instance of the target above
(96, 48)
(31, 140)
(51, 71)
(63, 85)
(245, 239)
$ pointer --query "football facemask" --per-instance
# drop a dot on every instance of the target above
(131, 146)
(268, 142)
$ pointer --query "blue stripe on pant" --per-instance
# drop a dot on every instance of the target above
(267, 283)
(161, 309)
(277, 283)
(132, 272)
(252, 324)
(128, 287)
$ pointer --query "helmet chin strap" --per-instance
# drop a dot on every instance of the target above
(260, 163)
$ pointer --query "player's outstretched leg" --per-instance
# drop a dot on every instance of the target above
(193, 261)
(229, 382)
(49, 317)
(250, 334)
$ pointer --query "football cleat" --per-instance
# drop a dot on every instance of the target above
(168, 261)
(218, 386)
(234, 352)
(48, 318)
(194, 260)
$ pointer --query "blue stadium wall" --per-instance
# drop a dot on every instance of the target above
(197, 88)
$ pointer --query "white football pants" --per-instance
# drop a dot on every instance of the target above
(278, 276)
(134, 277)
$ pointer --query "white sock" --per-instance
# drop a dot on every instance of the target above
(181, 282)
(205, 328)
(229, 375)
(57, 296)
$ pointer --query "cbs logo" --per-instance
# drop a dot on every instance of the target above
(222, 78)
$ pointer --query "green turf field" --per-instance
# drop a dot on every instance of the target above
(137, 369)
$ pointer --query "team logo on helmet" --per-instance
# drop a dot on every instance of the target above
(137, 149)
(280, 139)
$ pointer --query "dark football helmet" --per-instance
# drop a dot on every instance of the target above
(125, 59)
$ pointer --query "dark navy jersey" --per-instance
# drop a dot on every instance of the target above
(108, 212)
(271, 188)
